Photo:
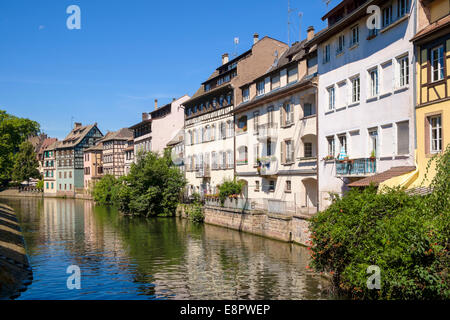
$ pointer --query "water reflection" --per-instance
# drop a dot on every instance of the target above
(133, 258)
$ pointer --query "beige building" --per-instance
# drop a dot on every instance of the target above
(209, 120)
(114, 145)
(129, 155)
(276, 134)
(49, 168)
(93, 166)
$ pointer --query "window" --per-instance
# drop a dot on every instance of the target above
(260, 88)
(288, 186)
(402, 7)
(331, 98)
(214, 160)
(230, 159)
(435, 134)
(275, 81)
(354, 36)
(331, 147)
(257, 186)
(65, 175)
(289, 151)
(326, 53)
(223, 133)
(255, 121)
(243, 156)
(437, 63)
(403, 69)
(308, 110)
(341, 44)
(256, 154)
(270, 116)
(230, 126)
(374, 82)
(403, 137)
(292, 74)
(308, 150)
(356, 90)
(271, 186)
(245, 94)
(242, 124)
(343, 143)
(387, 16)
(287, 114)
(373, 142)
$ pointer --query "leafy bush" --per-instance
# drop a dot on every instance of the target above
(228, 188)
(40, 185)
(407, 237)
(195, 212)
(153, 187)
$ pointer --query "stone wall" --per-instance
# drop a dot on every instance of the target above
(274, 226)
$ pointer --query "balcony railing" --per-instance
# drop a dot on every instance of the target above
(203, 172)
(267, 131)
(267, 167)
(356, 167)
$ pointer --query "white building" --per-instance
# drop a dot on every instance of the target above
(209, 121)
(366, 93)
(276, 141)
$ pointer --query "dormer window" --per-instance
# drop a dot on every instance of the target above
(260, 88)
(207, 87)
(246, 94)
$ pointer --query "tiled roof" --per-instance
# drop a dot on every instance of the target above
(441, 23)
(97, 147)
(53, 146)
(179, 137)
(46, 143)
(381, 177)
(122, 134)
(76, 136)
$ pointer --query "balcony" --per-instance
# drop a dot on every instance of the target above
(356, 167)
(268, 166)
(267, 131)
(203, 172)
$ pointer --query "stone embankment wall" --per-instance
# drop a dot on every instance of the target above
(8, 193)
(275, 226)
(15, 270)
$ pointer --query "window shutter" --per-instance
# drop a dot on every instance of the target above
(282, 150)
(281, 115)
(291, 105)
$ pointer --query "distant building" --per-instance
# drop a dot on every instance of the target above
(70, 158)
(114, 144)
(128, 155)
(158, 127)
(93, 166)
(176, 147)
(41, 153)
(49, 168)
(209, 121)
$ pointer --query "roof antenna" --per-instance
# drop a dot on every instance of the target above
(300, 16)
(327, 2)
(236, 42)
(290, 10)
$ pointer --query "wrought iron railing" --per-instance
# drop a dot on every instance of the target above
(356, 167)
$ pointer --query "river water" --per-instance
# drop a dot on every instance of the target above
(164, 258)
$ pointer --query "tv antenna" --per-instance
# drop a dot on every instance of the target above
(300, 16)
(236, 42)
(327, 2)
(290, 10)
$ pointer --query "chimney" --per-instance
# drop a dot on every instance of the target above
(255, 38)
(77, 125)
(310, 33)
(144, 116)
(225, 58)
(156, 104)
(174, 99)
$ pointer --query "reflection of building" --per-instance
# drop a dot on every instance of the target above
(70, 158)
(366, 97)
(114, 145)
(276, 141)
(209, 122)
(159, 127)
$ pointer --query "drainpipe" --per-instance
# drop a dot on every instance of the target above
(315, 85)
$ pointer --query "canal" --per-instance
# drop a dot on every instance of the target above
(165, 258)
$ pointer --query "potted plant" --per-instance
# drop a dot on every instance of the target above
(372, 156)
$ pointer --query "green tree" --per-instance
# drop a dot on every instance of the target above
(25, 163)
(406, 236)
(13, 131)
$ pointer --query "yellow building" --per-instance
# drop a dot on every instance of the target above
(432, 44)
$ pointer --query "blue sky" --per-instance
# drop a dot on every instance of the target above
(126, 54)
